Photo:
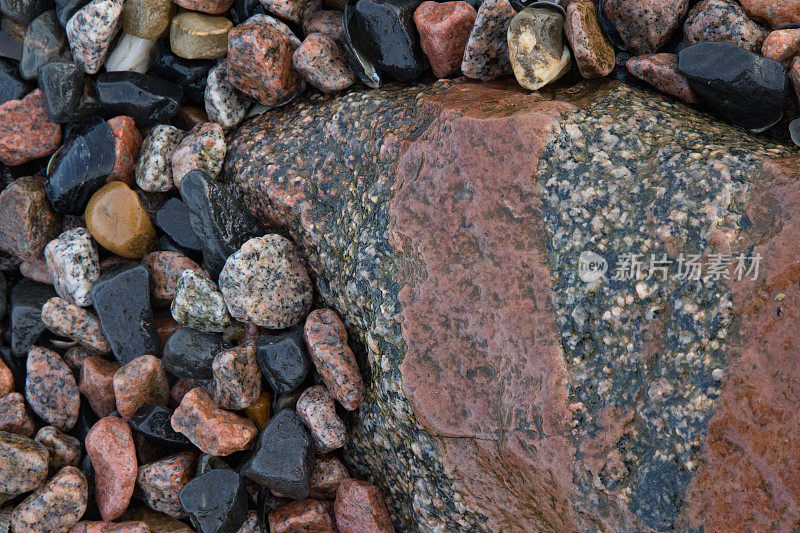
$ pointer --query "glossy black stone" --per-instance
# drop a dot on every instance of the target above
(286, 401)
(153, 421)
(27, 299)
(122, 301)
(242, 10)
(173, 219)
(363, 68)
(80, 167)
(385, 33)
(283, 457)
(207, 463)
(147, 99)
(61, 84)
(216, 501)
(189, 74)
(220, 221)
(12, 33)
(165, 244)
(188, 353)
(746, 89)
(284, 360)
(11, 85)
(66, 8)
(45, 41)
(24, 11)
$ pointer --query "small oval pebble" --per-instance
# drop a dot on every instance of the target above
(321, 63)
(318, 412)
(162, 480)
(74, 265)
(199, 304)
(50, 388)
(142, 381)
(328, 473)
(119, 222)
(54, 507)
(65, 450)
(97, 384)
(203, 148)
(76, 323)
(327, 22)
(109, 445)
(23, 464)
(237, 379)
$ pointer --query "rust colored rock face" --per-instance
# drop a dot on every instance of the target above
(213, 430)
(140, 382)
(359, 508)
(50, 388)
(30, 223)
(661, 71)
(109, 445)
(97, 384)
(444, 30)
(26, 132)
(127, 141)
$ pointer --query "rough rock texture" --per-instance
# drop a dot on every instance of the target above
(161, 481)
(504, 392)
(645, 26)
(50, 388)
(723, 20)
(110, 447)
(661, 71)
(55, 506)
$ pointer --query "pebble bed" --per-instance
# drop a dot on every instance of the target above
(162, 363)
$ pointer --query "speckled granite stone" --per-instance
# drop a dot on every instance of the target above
(203, 148)
(91, 31)
(722, 20)
(237, 379)
(321, 63)
(360, 507)
(97, 384)
(612, 412)
(225, 104)
(64, 450)
(199, 304)
(593, 50)
(14, 416)
(23, 463)
(213, 430)
(304, 515)
(318, 412)
(165, 269)
(646, 25)
(74, 265)
(142, 381)
(75, 323)
(661, 71)
(54, 507)
(486, 52)
(329, 471)
(160, 482)
(110, 447)
(30, 220)
(327, 22)
(154, 168)
(127, 142)
(99, 526)
(50, 388)
(26, 132)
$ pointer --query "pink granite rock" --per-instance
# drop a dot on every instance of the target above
(76, 323)
(321, 63)
(127, 142)
(165, 269)
(304, 515)
(213, 430)
(444, 30)
(132, 526)
(64, 450)
(329, 472)
(55, 506)
(776, 13)
(237, 378)
(26, 132)
(318, 412)
(139, 382)
(14, 417)
(781, 45)
(646, 25)
(203, 148)
(723, 20)
(109, 445)
(50, 389)
(592, 49)
(161, 480)
(360, 508)
(661, 71)
(97, 384)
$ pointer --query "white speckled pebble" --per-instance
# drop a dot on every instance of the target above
(91, 30)
(225, 104)
(154, 168)
(204, 149)
(199, 304)
(74, 265)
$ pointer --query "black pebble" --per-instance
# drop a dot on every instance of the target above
(189, 74)
(173, 219)
(122, 301)
(61, 84)
(216, 501)
(207, 463)
(45, 41)
(242, 10)
(189, 353)
(153, 421)
(11, 85)
(283, 457)
(147, 99)
(220, 221)
(66, 8)
(24, 11)
(746, 89)
(27, 299)
(81, 166)
(284, 360)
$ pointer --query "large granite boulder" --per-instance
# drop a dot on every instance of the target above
(462, 231)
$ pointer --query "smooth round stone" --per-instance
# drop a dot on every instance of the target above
(216, 501)
(119, 223)
(173, 219)
(76, 323)
(225, 104)
(199, 304)
(11, 85)
(778, 14)
(127, 142)
(81, 166)
(213, 430)
(212, 7)
(64, 450)
(74, 265)
(154, 422)
(189, 74)
(781, 45)
(154, 169)
(23, 463)
(162, 480)
(110, 447)
(146, 19)
(140, 382)
(189, 353)
(55, 506)
(61, 84)
(326, 22)
(536, 47)
(50, 389)
(444, 30)
(66, 8)
(199, 36)
(237, 380)
(317, 410)
(45, 41)
(97, 384)
(294, 10)
(284, 360)
(202, 149)
(321, 63)
(131, 54)
(91, 30)
(147, 99)
(26, 132)
(35, 224)
(23, 11)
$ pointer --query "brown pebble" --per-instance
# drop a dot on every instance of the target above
(237, 378)
(109, 445)
(55, 506)
(26, 132)
(444, 29)
(304, 515)
(212, 7)
(6, 379)
(258, 412)
(165, 269)
(36, 269)
(781, 45)
(329, 472)
(140, 382)
(127, 142)
(50, 389)
(160, 482)
(359, 508)
(593, 51)
(110, 527)
(97, 384)
(165, 326)
(661, 71)
(14, 417)
(28, 221)
(777, 13)
(326, 338)
(65, 450)
(213, 430)
(118, 221)
(76, 323)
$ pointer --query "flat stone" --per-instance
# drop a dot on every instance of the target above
(26, 132)
(27, 299)
(154, 168)
(45, 41)
(266, 283)
(776, 13)
(24, 465)
(326, 338)
(645, 27)
(661, 71)
(146, 19)
(486, 53)
(224, 103)
(199, 36)
(536, 47)
(360, 507)
(189, 74)
(593, 50)
(91, 31)
(329, 472)
(321, 63)
(212, 7)
(260, 63)
(781, 45)
(199, 304)
(284, 360)
(237, 380)
(63, 450)
(30, 222)
(259, 411)
(216, 501)
(303, 515)
(110, 447)
(140, 382)
(723, 20)
(154, 422)
(147, 99)
(61, 85)
(14, 416)
(119, 223)
(55, 506)
(203, 148)
(162, 480)
(283, 457)
(318, 412)
(326, 22)
(74, 265)
(22, 11)
(127, 143)
(131, 526)
(173, 219)
(189, 353)
(444, 29)
(97, 384)
(51, 389)
(210, 428)
(219, 220)
(127, 321)
(165, 270)
(76, 323)
(11, 85)
(132, 54)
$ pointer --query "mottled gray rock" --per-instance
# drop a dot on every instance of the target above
(203, 148)
(486, 55)
(91, 30)
(199, 304)
(225, 104)
(154, 168)
(55, 506)
(23, 463)
(318, 412)
(63, 449)
(237, 379)
(74, 265)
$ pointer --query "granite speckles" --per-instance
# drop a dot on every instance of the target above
(360, 507)
(142, 381)
(304, 515)
(26, 132)
(154, 168)
(661, 71)
(203, 148)
(63, 450)
(161, 480)
(91, 30)
(50, 388)
(328, 473)
(318, 412)
(110, 447)
(199, 304)
(486, 53)
(237, 379)
(165, 269)
(74, 265)
(213, 430)
(54, 507)
(646, 26)
(224, 103)
(31, 220)
(14, 416)
(321, 63)
(593, 50)
(76, 323)
(23, 463)
(294, 10)
(444, 29)
(722, 20)
(97, 384)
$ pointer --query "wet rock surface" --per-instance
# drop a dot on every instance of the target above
(189, 353)
(284, 360)
(24, 200)
(147, 99)
(153, 421)
(140, 382)
(162, 480)
(216, 501)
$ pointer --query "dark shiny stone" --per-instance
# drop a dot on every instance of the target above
(609, 28)
(188, 353)
(66, 8)
(24, 11)
(287, 401)
(61, 84)
(80, 167)
(11, 85)
(216, 501)
(17, 365)
(385, 33)
(746, 89)
(622, 73)
(147, 99)
(363, 68)
(173, 219)
(12, 34)
(153, 421)
(207, 463)
(122, 301)
(45, 41)
(283, 457)
(166, 244)
(284, 360)
(220, 221)
(242, 10)
(189, 74)
(27, 299)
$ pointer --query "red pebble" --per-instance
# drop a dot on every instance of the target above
(97, 384)
(6, 380)
(141, 381)
(127, 141)
(26, 132)
(359, 508)
(444, 30)
(109, 445)
(110, 527)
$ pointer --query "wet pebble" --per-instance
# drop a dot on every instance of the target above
(74, 265)
(110, 447)
(23, 463)
(259, 411)
(189, 74)
(199, 36)
(329, 472)
(64, 450)
(26, 132)
(162, 480)
(11, 85)
(51, 389)
(593, 51)
(55, 506)
(645, 27)
(118, 221)
(97, 384)
(237, 380)
(173, 219)
(189, 353)
(30, 223)
(76, 323)
(127, 142)
(91, 31)
(14, 416)
(75, 356)
(360, 507)
(146, 19)
(294, 10)
(203, 148)
(535, 43)
(444, 29)
(140, 382)
(154, 422)
(154, 168)
(318, 412)
(216, 501)
(199, 304)
(6, 379)
(61, 84)
(45, 41)
(303, 515)
(778, 14)
(165, 270)
(486, 53)
(147, 99)
(722, 20)
(27, 299)
(23, 10)
(131, 54)
(661, 71)
(224, 103)
(321, 63)
(212, 7)
(284, 360)
(210, 428)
